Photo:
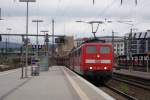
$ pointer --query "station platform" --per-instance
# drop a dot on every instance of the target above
(59, 83)
(143, 75)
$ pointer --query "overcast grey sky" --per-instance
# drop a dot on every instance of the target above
(66, 12)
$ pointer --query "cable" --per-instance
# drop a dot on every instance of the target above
(146, 4)
(107, 8)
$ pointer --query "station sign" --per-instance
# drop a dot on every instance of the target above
(59, 40)
(46, 38)
(40, 46)
(34, 60)
(35, 46)
(26, 40)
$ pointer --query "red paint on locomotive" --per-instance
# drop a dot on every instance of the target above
(92, 60)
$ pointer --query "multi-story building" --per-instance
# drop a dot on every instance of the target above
(118, 43)
(119, 46)
(137, 42)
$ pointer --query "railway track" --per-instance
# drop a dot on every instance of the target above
(117, 94)
(134, 81)
(124, 95)
(137, 88)
(129, 87)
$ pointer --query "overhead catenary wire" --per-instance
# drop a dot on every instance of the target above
(133, 15)
(134, 12)
(62, 12)
(147, 3)
(131, 12)
(106, 8)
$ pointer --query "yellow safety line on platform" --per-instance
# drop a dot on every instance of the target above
(80, 92)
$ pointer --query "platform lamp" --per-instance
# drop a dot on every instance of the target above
(9, 30)
(136, 2)
(27, 15)
(0, 19)
(37, 41)
(1, 14)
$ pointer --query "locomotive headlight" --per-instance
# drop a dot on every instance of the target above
(91, 67)
(98, 56)
(105, 68)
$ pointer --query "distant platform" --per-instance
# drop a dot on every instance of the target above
(144, 75)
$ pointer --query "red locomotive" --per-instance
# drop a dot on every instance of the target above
(94, 60)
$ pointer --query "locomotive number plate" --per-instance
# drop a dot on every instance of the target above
(97, 61)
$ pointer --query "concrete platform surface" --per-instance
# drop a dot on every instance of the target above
(58, 83)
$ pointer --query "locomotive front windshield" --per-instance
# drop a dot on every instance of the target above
(91, 49)
(104, 50)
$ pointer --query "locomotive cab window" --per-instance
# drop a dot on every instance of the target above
(79, 52)
(104, 49)
(91, 49)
